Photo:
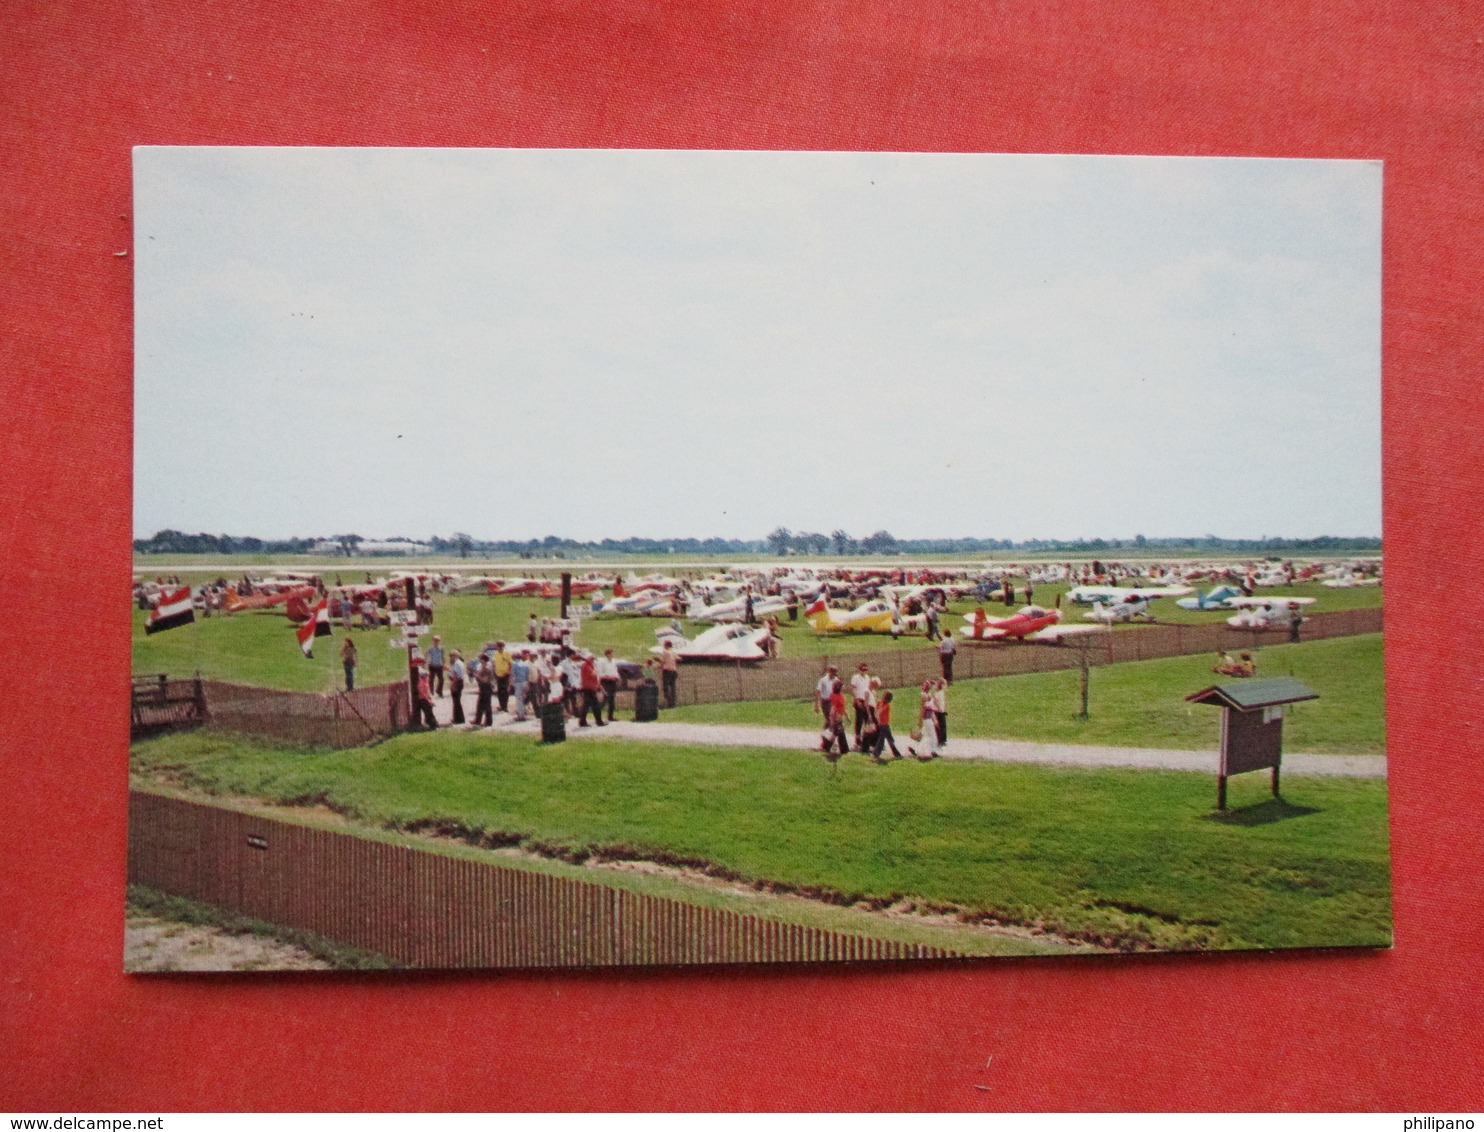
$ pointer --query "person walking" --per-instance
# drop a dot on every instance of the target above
(860, 690)
(884, 737)
(484, 679)
(591, 689)
(834, 723)
(1295, 620)
(348, 662)
(520, 679)
(925, 744)
(422, 708)
(940, 712)
(458, 673)
(435, 666)
(571, 684)
(669, 672)
(823, 690)
(500, 662)
(947, 648)
(608, 678)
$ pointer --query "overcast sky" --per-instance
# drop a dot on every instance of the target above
(516, 343)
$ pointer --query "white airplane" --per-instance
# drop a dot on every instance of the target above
(1093, 595)
(1263, 612)
(873, 617)
(645, 603)
(1132, 606)
(735, 609)
(723, 642)
(1345, 581)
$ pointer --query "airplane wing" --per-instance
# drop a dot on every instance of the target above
(1057, 632)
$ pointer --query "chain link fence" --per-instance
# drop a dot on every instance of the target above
(706, 683)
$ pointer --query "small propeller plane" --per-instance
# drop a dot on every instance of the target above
(723, 642)
(735, 609)
(1131, 606)
(235, 604)
(1094, 595)
(1028, 620)
(1217, 598)
(1264, 612)
(872, 617)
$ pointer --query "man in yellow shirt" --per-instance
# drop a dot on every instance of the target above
(500, 660)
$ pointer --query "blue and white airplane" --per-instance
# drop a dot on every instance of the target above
(1218, 598)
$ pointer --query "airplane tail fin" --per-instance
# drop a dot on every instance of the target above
(818, 614)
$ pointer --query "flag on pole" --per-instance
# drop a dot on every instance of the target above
(174, 609)
(318, 625)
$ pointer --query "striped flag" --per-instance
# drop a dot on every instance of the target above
(174, 609)
(318, 625)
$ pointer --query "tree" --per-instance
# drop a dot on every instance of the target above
(779, 540)
(880, 542)
(463, 542)
(348, 543)
(841, 540)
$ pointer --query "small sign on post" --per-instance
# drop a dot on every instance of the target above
(1251, 725)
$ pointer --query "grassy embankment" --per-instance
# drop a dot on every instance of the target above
(1137, 704)
(1126, 858)
(259, 647)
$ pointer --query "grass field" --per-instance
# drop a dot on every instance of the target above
(1137, 704)
(1131, 858)
(259, 647)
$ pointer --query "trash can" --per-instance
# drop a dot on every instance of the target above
(647, 702)
(553, 723)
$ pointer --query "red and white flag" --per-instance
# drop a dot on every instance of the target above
(318, 625)
(174, 609)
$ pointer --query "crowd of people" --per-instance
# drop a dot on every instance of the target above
(517, 682)
(872, 717)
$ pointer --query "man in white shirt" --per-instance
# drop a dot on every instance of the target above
(823, 689)
(608, 677)
(571, 683)
(946, 648)
(860, 689)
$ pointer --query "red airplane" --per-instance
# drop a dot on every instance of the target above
(235, 604)
(1031, 619)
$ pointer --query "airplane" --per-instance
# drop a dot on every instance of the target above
(645, 603)
(1130, 607)
(1094, 595)
(723, 642)
(539, 587)
(1263, 612)
(735, 609)
(872, 617)
(1217, 598)
(1028, 620)
(234, 604)
(1345, 581)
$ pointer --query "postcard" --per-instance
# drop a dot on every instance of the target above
(565, 558)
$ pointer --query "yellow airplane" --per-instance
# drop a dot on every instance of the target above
(873, 617)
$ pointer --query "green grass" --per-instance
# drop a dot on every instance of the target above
(1132, 857)
(1134, 704)
(259, 647)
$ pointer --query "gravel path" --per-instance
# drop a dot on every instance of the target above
(989, 750)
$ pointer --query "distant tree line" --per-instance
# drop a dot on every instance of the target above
(781, 542)
(178, 542)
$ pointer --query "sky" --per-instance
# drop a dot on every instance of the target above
(604, 343)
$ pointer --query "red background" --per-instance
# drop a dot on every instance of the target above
(81, 83)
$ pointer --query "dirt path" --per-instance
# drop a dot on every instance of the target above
(153, 944)
(988, 750)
